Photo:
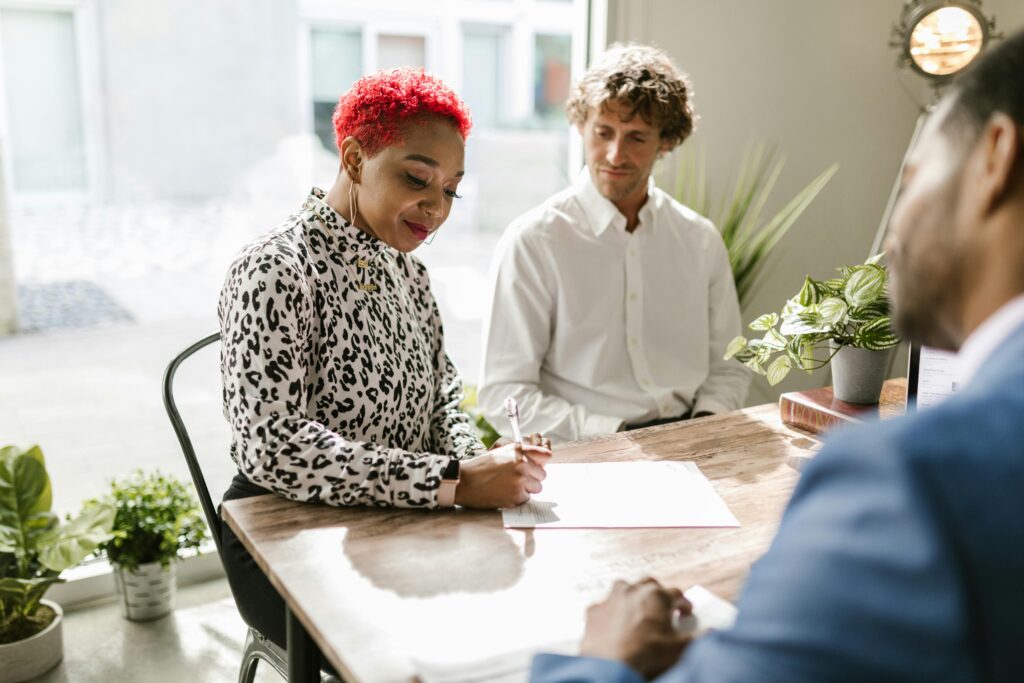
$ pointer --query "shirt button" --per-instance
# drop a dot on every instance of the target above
(632, 296)
(633, 342)
(632, 252)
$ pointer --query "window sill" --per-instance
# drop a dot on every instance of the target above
(93, 582)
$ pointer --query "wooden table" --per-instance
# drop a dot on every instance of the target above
(371, 588)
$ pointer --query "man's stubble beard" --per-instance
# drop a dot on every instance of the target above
(928, 283)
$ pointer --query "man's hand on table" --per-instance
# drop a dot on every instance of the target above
(634, 625)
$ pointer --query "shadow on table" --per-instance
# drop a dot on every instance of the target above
(463, 551)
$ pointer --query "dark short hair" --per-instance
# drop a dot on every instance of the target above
(995, 83)
(645, 80)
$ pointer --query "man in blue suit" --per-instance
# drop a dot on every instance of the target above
(901, 555)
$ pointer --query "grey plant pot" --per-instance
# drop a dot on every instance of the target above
(26, 659)
(858, 374)
(148, 592)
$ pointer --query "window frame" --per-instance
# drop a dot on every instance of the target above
(319, 15)
(84, 25)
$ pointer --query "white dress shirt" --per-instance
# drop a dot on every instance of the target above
(592, 327)
(987, 337)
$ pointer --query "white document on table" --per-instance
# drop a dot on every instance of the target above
(938, 377)
(611, 495)
(709, 612)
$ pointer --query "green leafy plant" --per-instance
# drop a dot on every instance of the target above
(35, 547)
(850, 310)
(488, 434)
(748, 238)
(157, 518)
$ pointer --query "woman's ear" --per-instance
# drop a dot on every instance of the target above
(352, 158)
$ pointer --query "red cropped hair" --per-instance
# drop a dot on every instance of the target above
(376, 106)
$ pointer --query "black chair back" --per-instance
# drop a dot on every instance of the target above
(212, 518)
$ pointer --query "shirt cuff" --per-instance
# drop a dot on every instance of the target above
(548, 668)
(432, 475)
(709, 405)
(595, 425)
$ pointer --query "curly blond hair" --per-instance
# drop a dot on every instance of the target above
(645, 80)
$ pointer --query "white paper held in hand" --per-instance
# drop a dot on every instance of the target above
(709, 612)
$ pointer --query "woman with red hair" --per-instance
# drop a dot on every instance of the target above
(336, 381)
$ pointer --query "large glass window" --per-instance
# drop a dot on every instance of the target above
(552, 57)
(207, 133)
(336, 62)
(483, 68)
(396, 51)
(42, 99)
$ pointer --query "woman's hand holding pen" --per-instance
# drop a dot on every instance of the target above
(505, 476)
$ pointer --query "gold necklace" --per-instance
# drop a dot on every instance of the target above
(361, 263)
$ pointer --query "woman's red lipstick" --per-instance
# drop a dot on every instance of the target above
(421, 231)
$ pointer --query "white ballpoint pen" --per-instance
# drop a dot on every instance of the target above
(512, 412)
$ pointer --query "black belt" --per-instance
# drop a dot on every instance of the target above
(659, 421)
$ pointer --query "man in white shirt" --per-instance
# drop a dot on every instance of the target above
(612, 303)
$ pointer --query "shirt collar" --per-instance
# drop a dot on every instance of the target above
(988, 336)
(341, 235)
(600, 210)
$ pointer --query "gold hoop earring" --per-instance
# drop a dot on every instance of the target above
(352, 207)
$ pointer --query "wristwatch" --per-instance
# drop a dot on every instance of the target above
(449, 480)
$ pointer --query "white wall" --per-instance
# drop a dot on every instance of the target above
(816, 77)
(231, 65)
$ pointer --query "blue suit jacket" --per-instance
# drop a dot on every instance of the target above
(899, 558)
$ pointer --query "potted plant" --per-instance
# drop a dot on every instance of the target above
(157, 517)
(847, 317)
(35, 547)
(748, 236)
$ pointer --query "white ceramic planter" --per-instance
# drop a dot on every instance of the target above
(148, 592)
(34, 656)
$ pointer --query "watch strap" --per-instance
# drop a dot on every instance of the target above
(449, 481)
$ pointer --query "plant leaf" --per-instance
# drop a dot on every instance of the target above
(68, 544)
(748, 240)
(808, 293)
(778, 369)
(865, 285)
(734, 347)
(23, 492)
(875, 335)
(755, 364)
(773, 340)
(765, 322)
(832, 311)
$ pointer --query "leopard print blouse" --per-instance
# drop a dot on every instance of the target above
(336, 382)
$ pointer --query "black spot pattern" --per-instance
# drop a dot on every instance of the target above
(336, 394)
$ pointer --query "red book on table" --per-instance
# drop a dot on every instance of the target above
(818, 410)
